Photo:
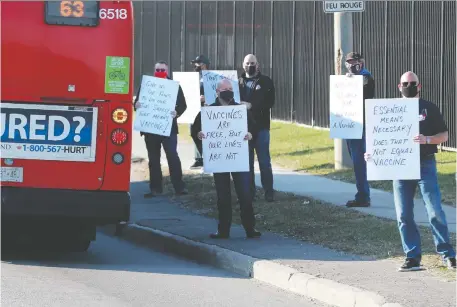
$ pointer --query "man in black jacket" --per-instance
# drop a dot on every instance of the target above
(200, 63)
(355, 64)
(258, 93)
(242, 180)
(154, 143)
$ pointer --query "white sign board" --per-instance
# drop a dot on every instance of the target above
(346, 107)
(344, 6)
(211, 79)
(158, 100)
(391, 125)
(190, 84)
(224, 147)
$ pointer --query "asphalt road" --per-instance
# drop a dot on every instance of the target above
(117, 273)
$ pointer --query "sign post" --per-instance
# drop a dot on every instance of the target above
(343, 42)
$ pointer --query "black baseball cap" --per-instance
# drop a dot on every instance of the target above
(201, 59)
(353, 56)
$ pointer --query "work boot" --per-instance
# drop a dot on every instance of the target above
(252, 233)
(357, 204)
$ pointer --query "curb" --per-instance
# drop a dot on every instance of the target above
(270, 272)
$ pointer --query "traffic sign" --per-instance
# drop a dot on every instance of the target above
(348, 6)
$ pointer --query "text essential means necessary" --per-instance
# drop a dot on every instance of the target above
(224, 147)
(158, 100)
(346, 107)
(391, 125)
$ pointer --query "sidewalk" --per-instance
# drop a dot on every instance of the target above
(333, 273)
(317, 187)
(329, 276)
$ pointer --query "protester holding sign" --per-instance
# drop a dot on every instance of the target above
(169, 143)
(242, 180)
(355, 64)
(432, 131)
(200, 63)
(258, 94)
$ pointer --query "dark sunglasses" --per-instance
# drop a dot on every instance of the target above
(160, 70)
(407, 84)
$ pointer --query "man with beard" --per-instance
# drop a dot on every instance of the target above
(258, 93)
(355, 65)
(242, 180)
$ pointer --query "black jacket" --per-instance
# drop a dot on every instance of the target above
(261, 96)
(197, 126)
(368, 88)
(181, 106)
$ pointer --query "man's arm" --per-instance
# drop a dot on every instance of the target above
(440, 129)
(195, 129)
(368, 87)
(181, 105)
(136, 98)
(269, 96)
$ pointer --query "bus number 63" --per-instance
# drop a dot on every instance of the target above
(113, 13)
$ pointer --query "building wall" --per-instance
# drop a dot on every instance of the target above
(293, 41)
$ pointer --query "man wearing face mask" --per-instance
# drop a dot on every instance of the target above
(154, 143)
(200, 63)
(242, 180)
(258, 93)
(432, 131)
(355, 65)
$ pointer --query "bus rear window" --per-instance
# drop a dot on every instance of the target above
(72, 13)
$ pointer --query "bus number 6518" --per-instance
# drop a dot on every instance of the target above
(113, 13)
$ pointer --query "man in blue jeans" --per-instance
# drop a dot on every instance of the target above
(258, 93)
(355, 64)
(432, 131)
(155, 142)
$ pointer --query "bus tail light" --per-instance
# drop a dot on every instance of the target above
(119, 136)
(118, 158)
(120, 116)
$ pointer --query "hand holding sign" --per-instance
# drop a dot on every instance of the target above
(156, 105)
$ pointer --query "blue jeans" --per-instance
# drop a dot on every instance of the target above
(242, 181)
(356, 151)
(261, 145)
(153, 145)
(404, 191)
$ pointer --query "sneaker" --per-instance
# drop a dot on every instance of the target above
(153, 194)
(182, 192)
(197, 164)
(450, 263)
(357, 204)
(253, 234)
(410, 264)
(269, 197)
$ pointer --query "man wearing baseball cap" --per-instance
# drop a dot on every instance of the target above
(200, 63)
(355, 64)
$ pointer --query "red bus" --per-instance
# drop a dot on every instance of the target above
(66, 115)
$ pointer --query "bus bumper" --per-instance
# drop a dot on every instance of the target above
(95, 207)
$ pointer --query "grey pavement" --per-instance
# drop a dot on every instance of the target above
(117, 273)
(377, 276)
(320, 188)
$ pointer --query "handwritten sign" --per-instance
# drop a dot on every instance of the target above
(158, 100)
(224, 147)
(391, 125)
(211, 79)
(346, 107)
(190, 84)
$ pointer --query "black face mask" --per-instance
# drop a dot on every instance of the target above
(410, 91)
(197, 68)
(226, 95)
(251, 70)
